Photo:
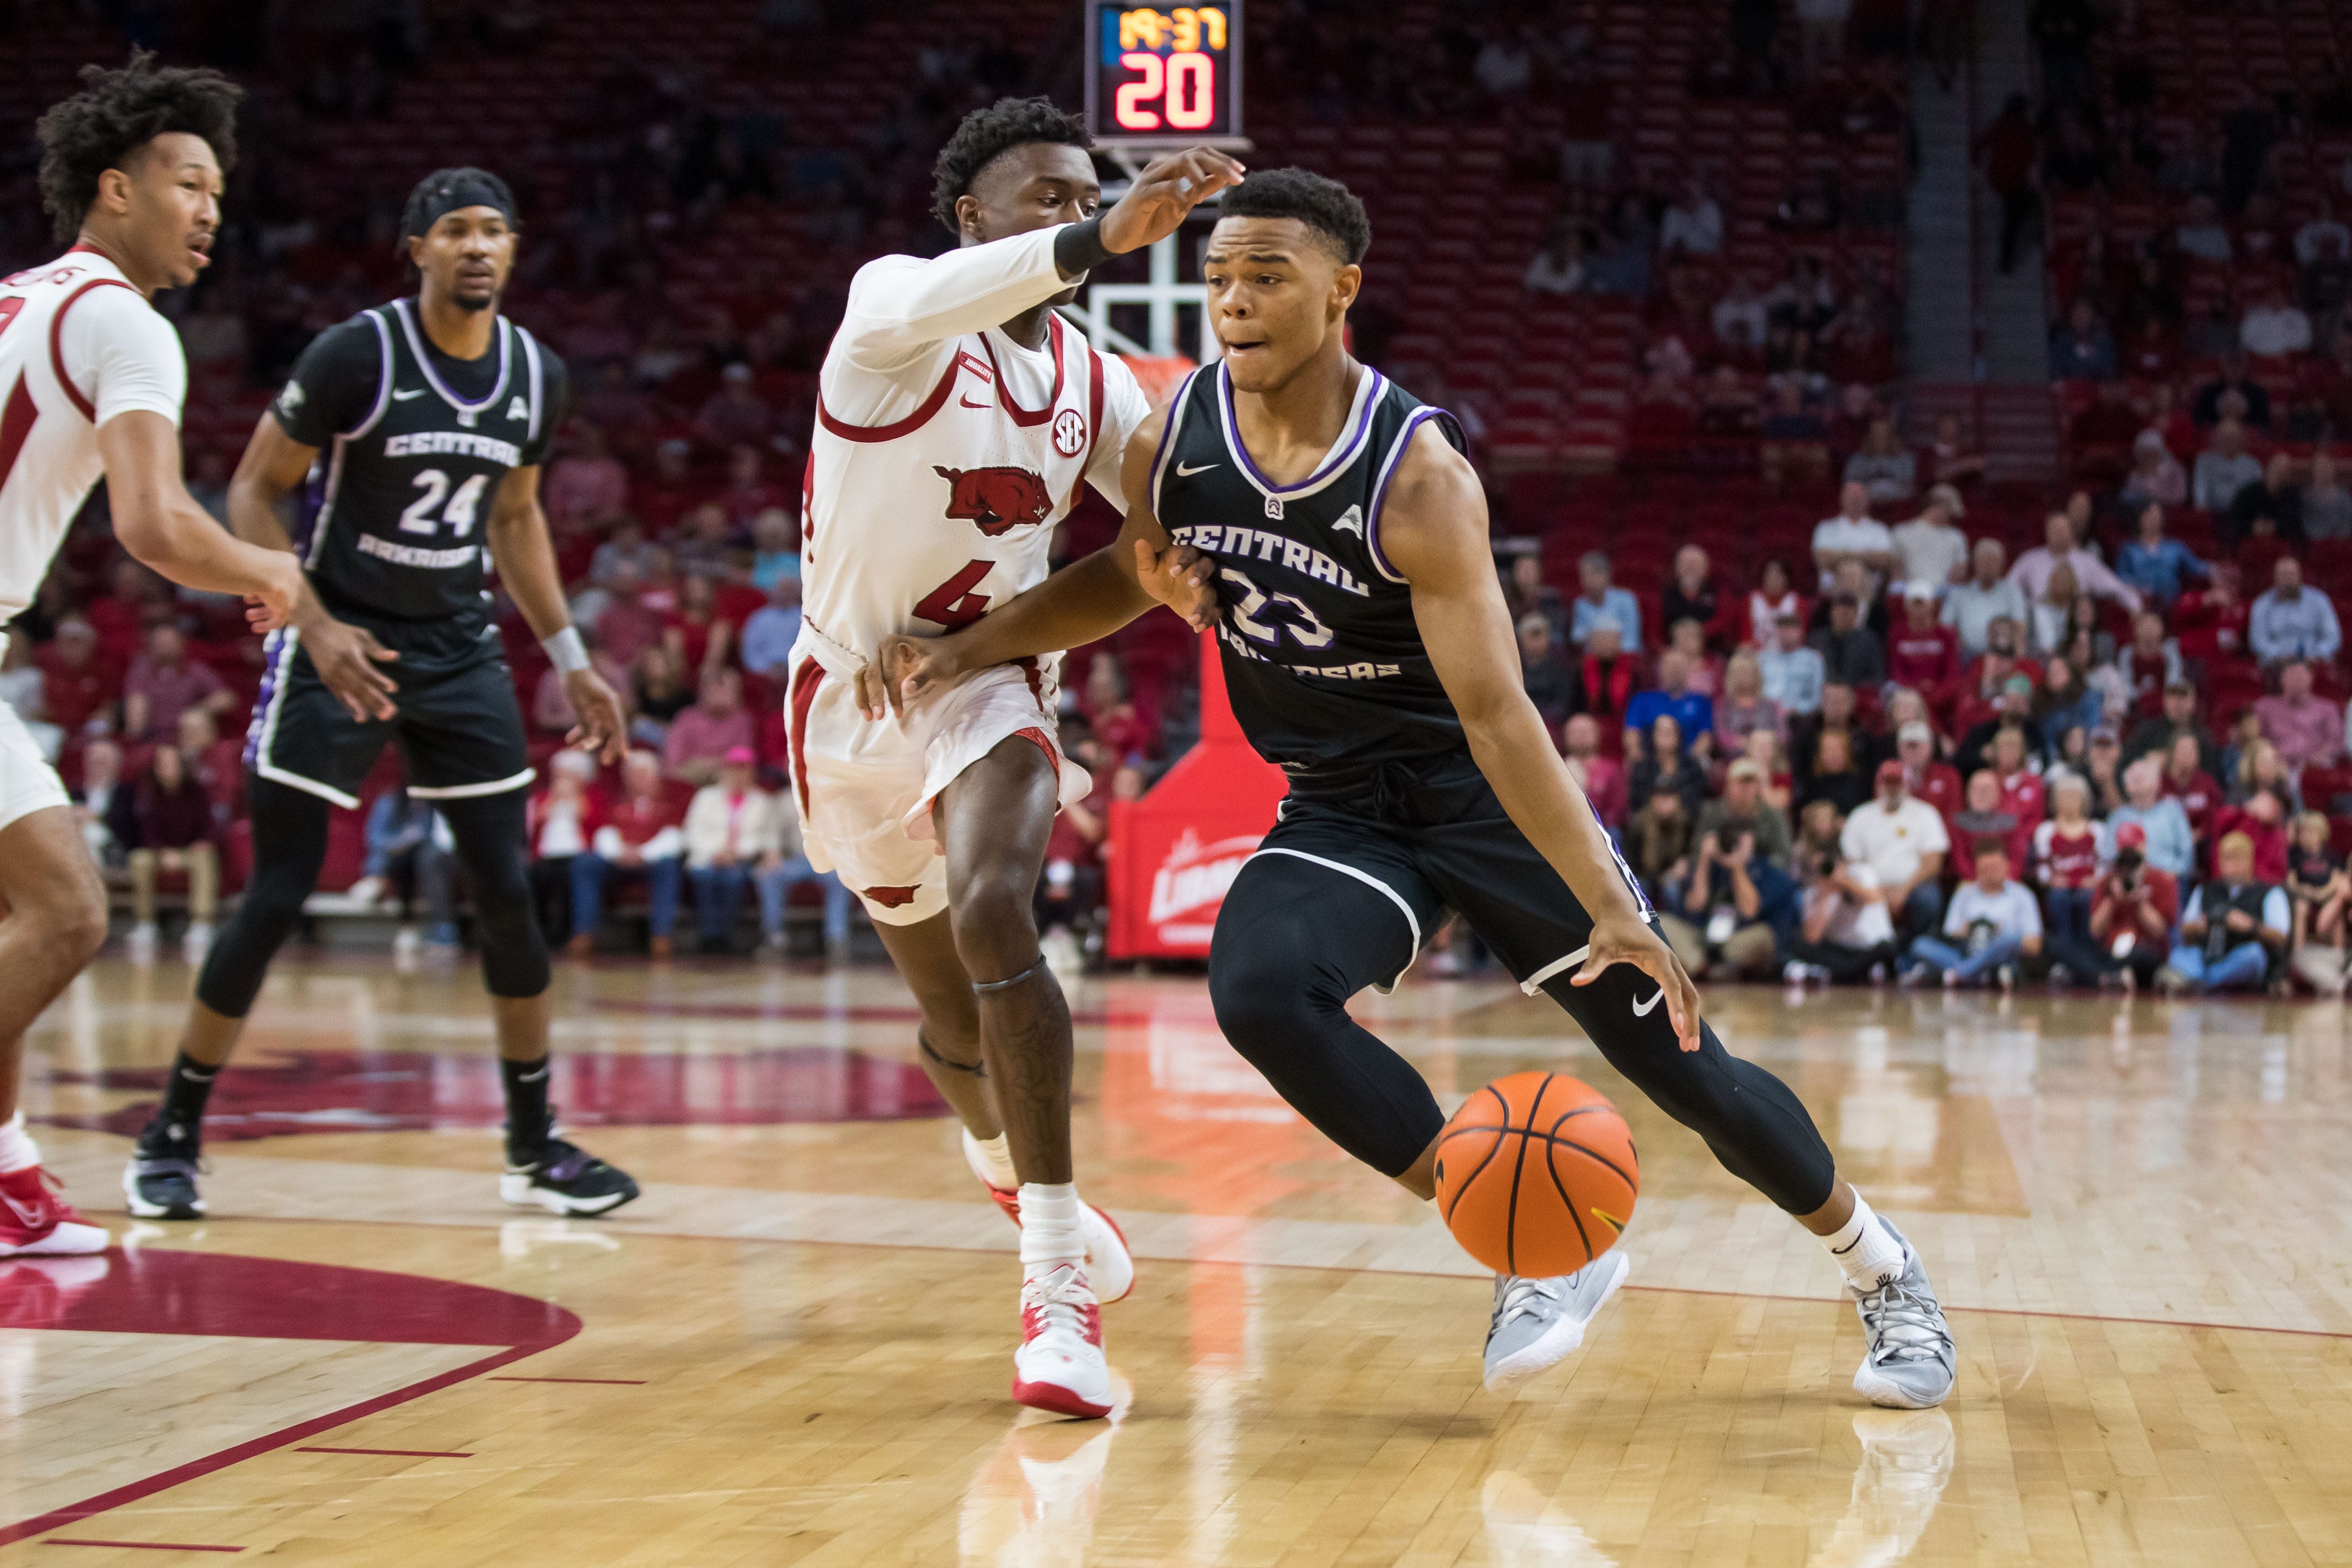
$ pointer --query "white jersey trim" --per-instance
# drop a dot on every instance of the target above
(287, 652)
(1353, 433)
(1412, 921)
(425, 364)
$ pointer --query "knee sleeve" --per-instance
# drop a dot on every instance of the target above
(290, 844)
(1754, 1124)
(490, 835)
(1281, 992)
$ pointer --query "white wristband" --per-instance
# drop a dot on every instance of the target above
(567, 650)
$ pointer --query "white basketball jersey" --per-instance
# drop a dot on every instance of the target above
(49, 409)
(926, 523)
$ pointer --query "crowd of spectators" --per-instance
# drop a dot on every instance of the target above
(1911, 758)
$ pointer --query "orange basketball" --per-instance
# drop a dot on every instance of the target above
(1535, 1174)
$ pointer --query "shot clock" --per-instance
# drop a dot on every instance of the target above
(1164, 74)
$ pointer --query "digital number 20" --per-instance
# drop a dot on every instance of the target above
(1186, 85)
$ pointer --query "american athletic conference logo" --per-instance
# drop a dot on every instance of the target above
(1069, 432)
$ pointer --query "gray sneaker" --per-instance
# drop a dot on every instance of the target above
(1909, 1363)
(1538, 1324)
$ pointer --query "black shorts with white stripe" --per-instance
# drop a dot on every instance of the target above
(459, 724)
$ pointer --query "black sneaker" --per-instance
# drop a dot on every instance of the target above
(566, 1181)
(160, 1182)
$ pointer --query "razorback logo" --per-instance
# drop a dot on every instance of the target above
(889, 897)
(996, 500)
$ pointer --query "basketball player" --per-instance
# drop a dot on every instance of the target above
(91, 381)
(958, 419)
(1369, 653)
(421, 425)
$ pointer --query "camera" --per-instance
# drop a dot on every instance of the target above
(2128, 861)
(1727, 840)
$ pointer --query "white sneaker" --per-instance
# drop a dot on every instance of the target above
(1060, 1365)
(1060, 951)
(1107, 1258)
(197, 941)
(366, 893)
(1538, 1324)
(141, 944)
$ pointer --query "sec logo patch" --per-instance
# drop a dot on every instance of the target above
(1070, 432)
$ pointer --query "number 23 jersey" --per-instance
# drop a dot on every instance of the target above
(414, 445)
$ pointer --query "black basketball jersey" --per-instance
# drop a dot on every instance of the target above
(413, 446)
(1322, 658)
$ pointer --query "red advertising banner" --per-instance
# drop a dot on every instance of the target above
(1171, 855)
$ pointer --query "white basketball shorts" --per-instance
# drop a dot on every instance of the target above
(865, 787)
(28, 783)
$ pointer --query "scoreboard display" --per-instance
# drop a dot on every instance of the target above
(1171, 75)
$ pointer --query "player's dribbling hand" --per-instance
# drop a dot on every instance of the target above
(603, 731)
(346, 657)
(1628, 939)
(901, 670)
(1182, 579)
(1155, 205)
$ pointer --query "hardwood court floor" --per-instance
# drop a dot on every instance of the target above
(794, 1349)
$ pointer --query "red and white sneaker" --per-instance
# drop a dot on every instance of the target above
(35, 1223)
(1108, 1259)
(1060, 1365)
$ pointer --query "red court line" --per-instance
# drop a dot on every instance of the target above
(141, 1546)
(630, 1381)
(165, 1480)
(395, 1453)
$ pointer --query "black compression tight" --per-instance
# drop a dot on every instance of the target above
(290, 844)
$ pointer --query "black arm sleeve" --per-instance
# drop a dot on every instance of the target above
(555, 404)
(334, 383)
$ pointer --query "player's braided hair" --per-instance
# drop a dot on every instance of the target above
(118, 112)
(985, 135)
(1328, 208)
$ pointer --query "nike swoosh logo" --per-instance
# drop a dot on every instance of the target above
(405, 396)
(538, 1077)
(29, 1218)
(969, 404)
(1643, 1010)
(1186, 470)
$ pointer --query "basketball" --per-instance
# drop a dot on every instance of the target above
(1535, 1174)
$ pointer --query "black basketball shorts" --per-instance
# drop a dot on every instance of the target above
(458, 725)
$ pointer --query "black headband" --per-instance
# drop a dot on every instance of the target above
(453, 189)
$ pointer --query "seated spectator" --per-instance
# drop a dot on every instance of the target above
(79, 685)
(2103, 765)
(698, 637)
(1850, 652)
(2064, 701)
(2292, 622)
(776, 548)
(1949, 460)
(1744, 708)
(1922, 654)
(1526, 593)
(1558, 266)
(2147, 668)
(2049, 614)
(2213, 621)
(2273, 326)
(2316, 886)
(1693, 714)
(1982, 815)
(1793, 671)
(1742, 309)
(1694, 224)
(2256, 769)
(2082, 349)
(1604, 683)
(561, 821)
(701, 736)
(1769, 752)
(658, 693)
(587, 486)
(1690, 593)
(2166, 835)
(640, 833)
(1985, 595)
(736, 414)
(1903, 843)
(2071, 852)
(1658, 840)
(162, 682)
(1854, 535)
(1598, 603)
(165, 823)
(1884, 467)
(2154, 565)
(1846, 933)
(21, 684)
(1985, 690)
(2263, 817)
(1743, 807)
(2132, 912)
(2232, 928)
(2061, 548)
(2157, 479)
(2013, 760)
(1923, 776)
(2302, 728)
(731, 828)
(1663, 765)
(1735, 909)
(627, 625)
(93, 801)
(1603, 779)
(2186, 780)
(2270, 508)
(1542, 672)
(1836, 765)
(2327, 503)
(1705, 670)
(1930, 549)
(412, 855)
(772, 631)
(1990, 925)
(2223, 468)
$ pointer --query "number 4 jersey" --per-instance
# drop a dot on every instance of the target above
(413, 444)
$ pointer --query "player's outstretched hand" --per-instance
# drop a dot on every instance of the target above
(275, 605)
(346, 658)
(1169, 188)
(603, 728)
(1628, 939)
(903, 669)
(1182, 579)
